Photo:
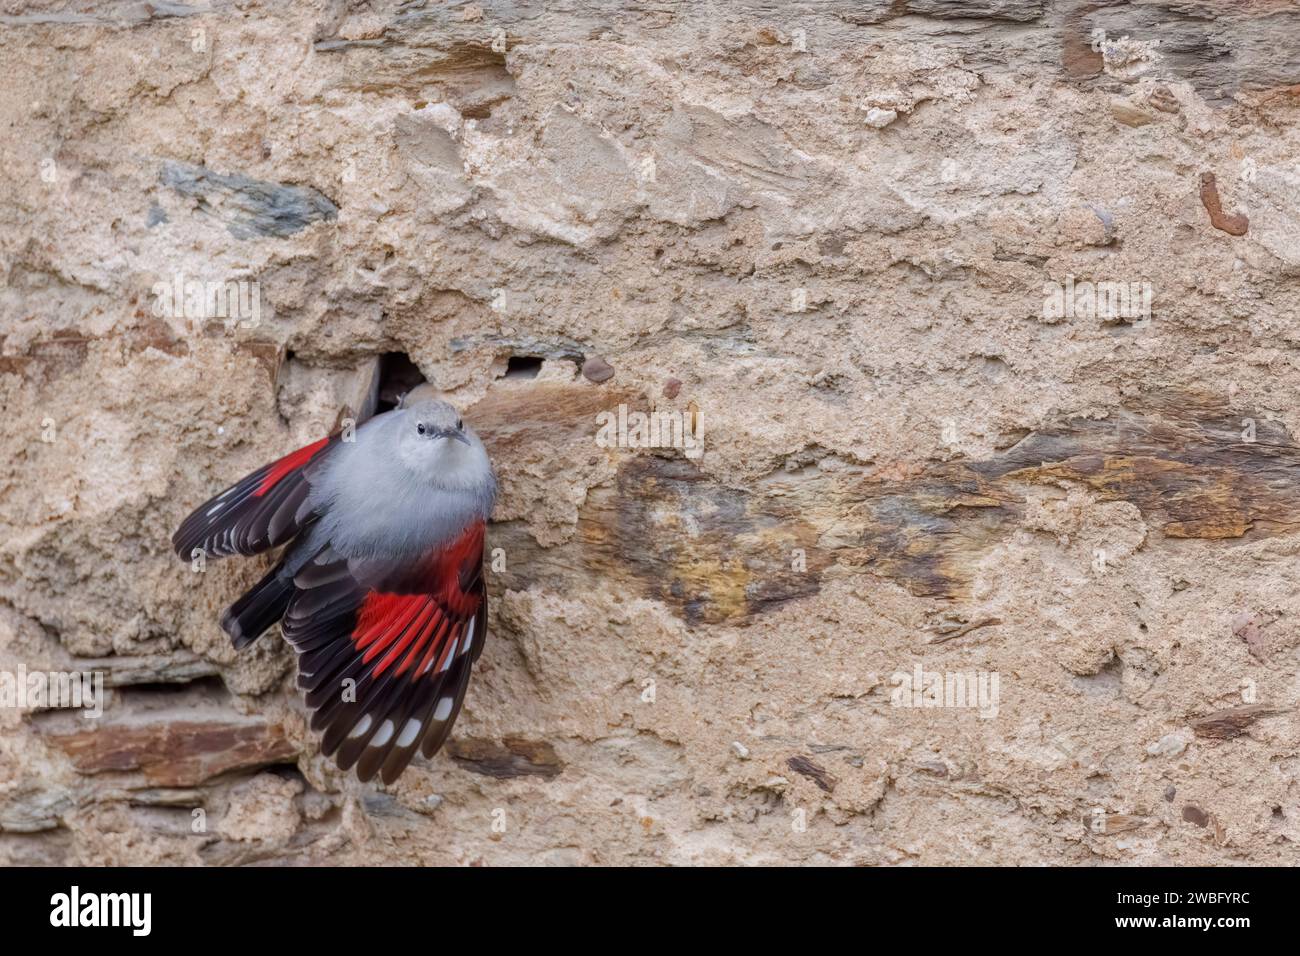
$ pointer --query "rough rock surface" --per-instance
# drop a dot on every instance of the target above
(834, 228)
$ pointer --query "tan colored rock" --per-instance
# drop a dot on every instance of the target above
(1128, 114)
(835, 223)
(262, 809)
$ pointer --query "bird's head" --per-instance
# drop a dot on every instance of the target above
(434, 441)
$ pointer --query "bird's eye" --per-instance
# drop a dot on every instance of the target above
(460, 423)
(419, 429)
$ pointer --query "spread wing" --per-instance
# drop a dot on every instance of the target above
(385, 649)
(260, 512)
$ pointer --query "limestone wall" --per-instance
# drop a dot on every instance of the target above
(858, 247)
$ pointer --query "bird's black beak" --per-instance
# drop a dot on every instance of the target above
(455, 433)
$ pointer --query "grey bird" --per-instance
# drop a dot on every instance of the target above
(380, 589)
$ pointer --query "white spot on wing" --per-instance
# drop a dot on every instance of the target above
(362, 726)
(409, 732)
(444, 708)
(384, 734)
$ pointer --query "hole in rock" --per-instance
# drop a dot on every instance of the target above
(397, 376)
(287, 770)
(523, 366)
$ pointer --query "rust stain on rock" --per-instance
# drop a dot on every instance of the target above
(508, 419)
(1232, 722)
(511, 757)
(182, 753)
(1235, 224)
(715, 553)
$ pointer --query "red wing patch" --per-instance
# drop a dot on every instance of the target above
(406, 626)
(385, 667)
(261, 511)
(289, 463)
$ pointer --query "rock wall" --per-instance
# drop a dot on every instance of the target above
(983, 314)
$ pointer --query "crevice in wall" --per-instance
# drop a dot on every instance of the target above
(397, 376)
(523, 366)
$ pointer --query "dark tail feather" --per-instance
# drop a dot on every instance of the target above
(263, 605)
